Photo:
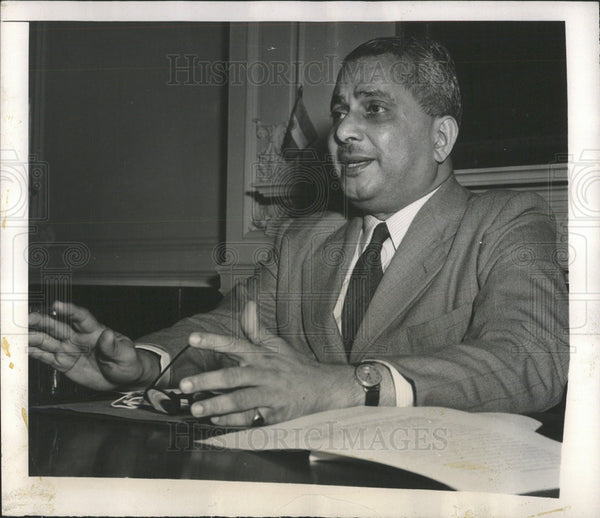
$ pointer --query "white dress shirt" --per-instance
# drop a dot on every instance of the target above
(397, 224)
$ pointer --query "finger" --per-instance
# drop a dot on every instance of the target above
(34, 318)
(240, 350)
(234, 402)
(222, 379)
(251, 325)
(81, 318)
(60, 360)
(43, 356)
(44, 342)
(244, 419)
(58, 330)
(255, 331)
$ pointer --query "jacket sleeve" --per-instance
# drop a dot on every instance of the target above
(514, 354)
(223, 320)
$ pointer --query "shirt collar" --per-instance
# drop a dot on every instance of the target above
(398, 222)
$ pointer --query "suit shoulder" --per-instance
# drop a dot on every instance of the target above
(503, 205)
(301, 228)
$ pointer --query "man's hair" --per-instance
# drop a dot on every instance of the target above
(424, 68)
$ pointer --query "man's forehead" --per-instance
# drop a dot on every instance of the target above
(370, 76)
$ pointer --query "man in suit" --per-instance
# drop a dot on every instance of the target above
(432, 296)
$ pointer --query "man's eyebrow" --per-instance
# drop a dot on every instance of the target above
(337, 98)
(373, 92)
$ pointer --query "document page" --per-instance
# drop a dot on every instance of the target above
(466, 451)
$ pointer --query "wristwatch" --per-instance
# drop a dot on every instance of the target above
(369, 378)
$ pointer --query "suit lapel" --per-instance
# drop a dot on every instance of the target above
(322, 278)
(417, 260)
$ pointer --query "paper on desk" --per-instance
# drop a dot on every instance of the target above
(521, 421)
(466, 451)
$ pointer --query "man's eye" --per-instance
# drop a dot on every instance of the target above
(337, 115)
(375, 108)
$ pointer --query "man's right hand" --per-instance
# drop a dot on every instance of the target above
(88, 352)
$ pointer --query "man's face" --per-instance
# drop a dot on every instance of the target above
(381, 139)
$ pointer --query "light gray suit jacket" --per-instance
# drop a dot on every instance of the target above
(472, 310)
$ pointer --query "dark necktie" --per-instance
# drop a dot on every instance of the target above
(364, 280)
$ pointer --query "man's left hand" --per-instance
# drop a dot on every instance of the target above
(271, 377)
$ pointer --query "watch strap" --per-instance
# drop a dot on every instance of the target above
(372, 395)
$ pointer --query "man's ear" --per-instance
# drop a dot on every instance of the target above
(445, 133)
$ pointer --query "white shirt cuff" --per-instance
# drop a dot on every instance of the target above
(403, 389)
(164, 358)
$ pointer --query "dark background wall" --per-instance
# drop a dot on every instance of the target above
(135, 166)
(513, 78)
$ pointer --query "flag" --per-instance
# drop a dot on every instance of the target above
(300, 132)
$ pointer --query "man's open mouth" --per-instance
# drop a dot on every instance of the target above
(355, 165)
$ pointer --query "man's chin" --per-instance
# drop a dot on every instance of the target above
(361, 202)
(356, 189)
(368, 202)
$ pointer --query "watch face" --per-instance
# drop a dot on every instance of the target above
(368, 375)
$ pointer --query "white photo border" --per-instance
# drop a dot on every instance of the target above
(580, 473)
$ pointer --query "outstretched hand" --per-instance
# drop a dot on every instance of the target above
(73, 342)
(271, 376)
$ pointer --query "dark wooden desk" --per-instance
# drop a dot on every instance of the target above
(70, 445)
(78, 445)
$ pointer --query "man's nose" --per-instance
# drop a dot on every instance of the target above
(348, 129)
